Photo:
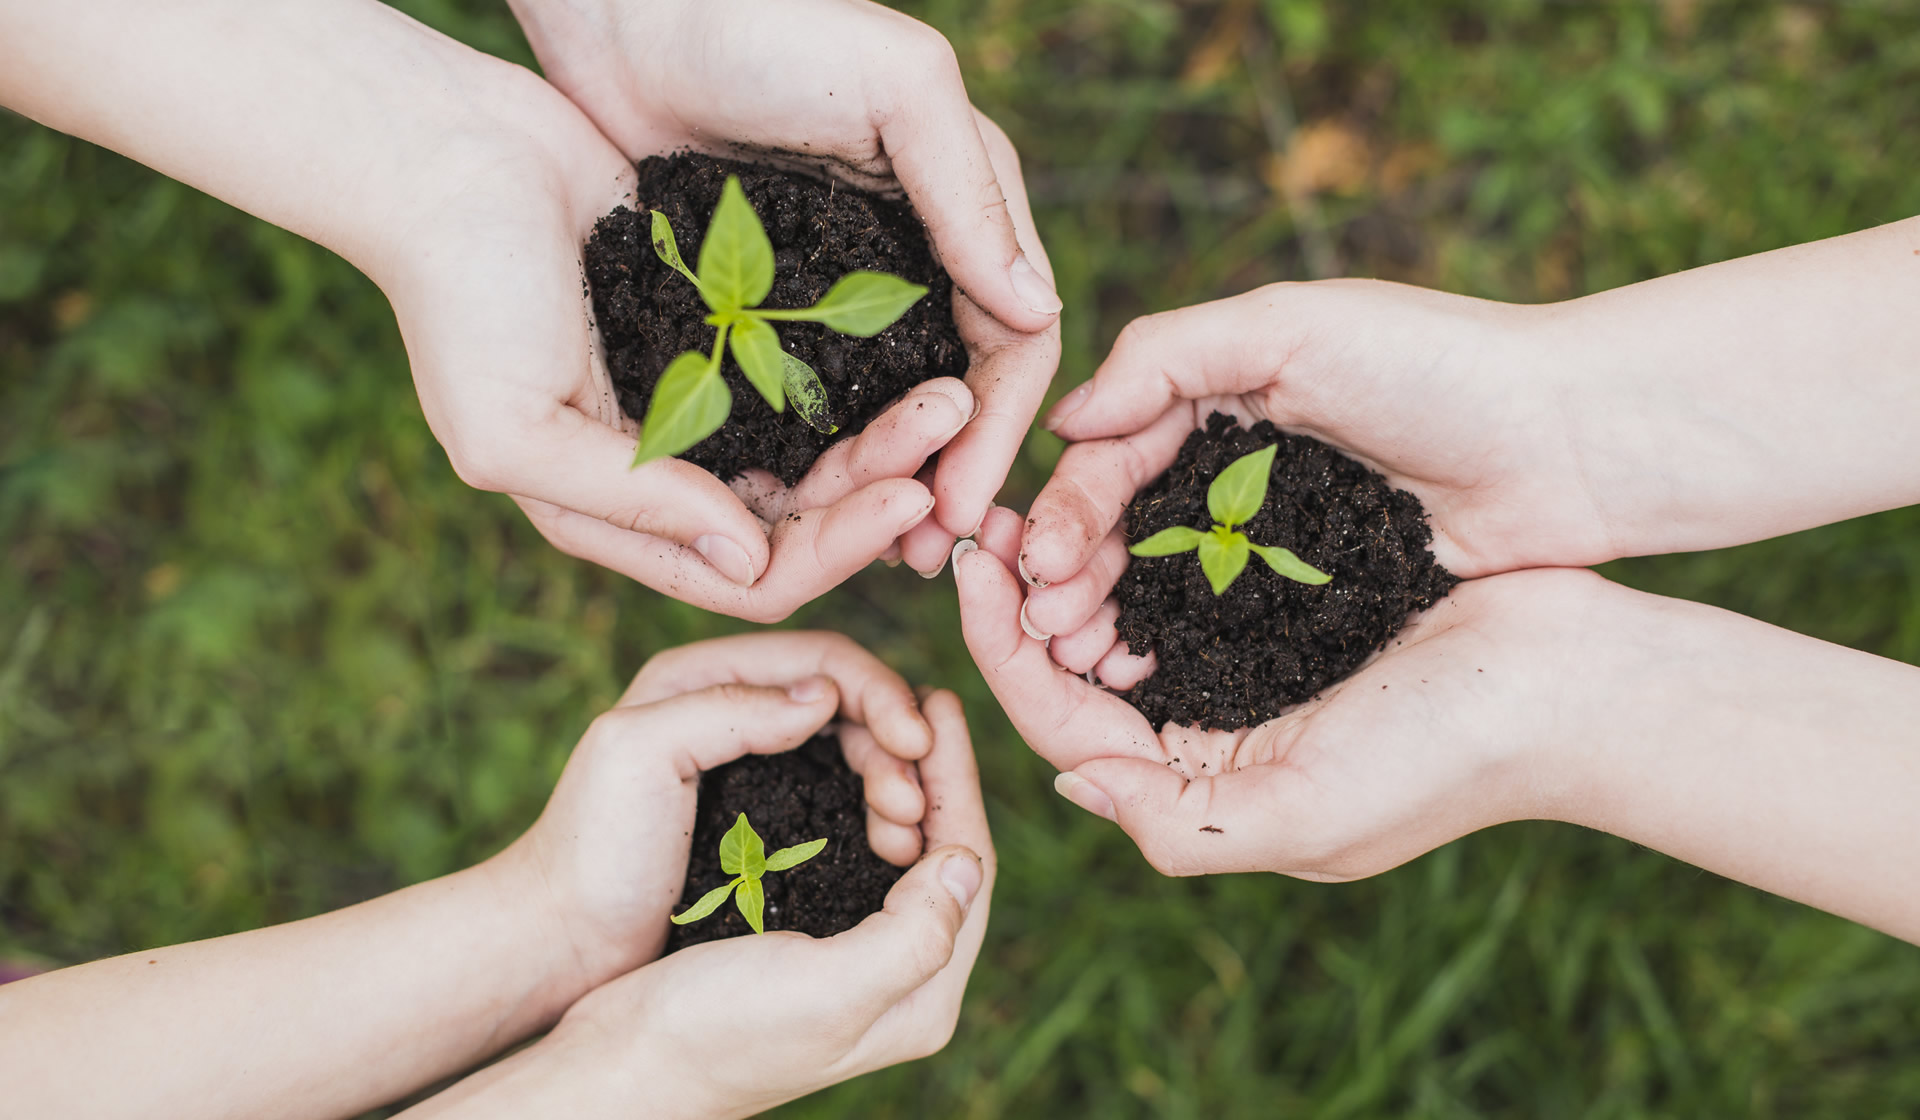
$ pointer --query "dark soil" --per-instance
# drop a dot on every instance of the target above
(789, 799)
(1238, 659)
(648, 313)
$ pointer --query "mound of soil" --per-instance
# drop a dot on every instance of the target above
(649, 314)
(789, 799)
(1235, 660)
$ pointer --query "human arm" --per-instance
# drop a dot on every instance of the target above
(665, 1040)
(338, 1013)
(1772, 758)
(873, 97)
(1723, 405)
(465, 187)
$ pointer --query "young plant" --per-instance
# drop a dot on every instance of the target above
(744, 856)
(1234, 497)
(691, 401)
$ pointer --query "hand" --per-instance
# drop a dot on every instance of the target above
(875, 98)
(728, 1028)
(1440, 736)
(608, 856)
(1441, 394)
(486, 284)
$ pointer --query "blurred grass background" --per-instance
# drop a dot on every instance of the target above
(261, 654)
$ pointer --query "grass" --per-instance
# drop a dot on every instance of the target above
(261, 654)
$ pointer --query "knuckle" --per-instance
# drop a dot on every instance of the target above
(481, 470)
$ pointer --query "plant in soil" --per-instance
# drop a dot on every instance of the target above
(808, 794)
(1236, 644)
(1235, 495)
(744, 856)
(690, 402)
(785, 248)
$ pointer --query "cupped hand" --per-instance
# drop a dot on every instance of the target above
(873, 97)
(486, 282)
(1442, 394)
(608, 856)
(1451, 729)
(729, 1028)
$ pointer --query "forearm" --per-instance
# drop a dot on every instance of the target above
(1751, 398)
(323, 1017)
(1772, 758)
(316, 115)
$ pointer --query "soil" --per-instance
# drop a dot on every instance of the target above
(648, 313)
(1239, 659)
(789, 799)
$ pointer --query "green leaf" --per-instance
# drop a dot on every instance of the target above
(756, 346)
(741, 851)
(861, 303)
(1237, 492)
(1168, 542)
(689, 403)
(752, 901)
(668, 249)
(809, 397)
(1287, 564)
(708, 903)
(1222, 560)
(796, 855)
(736, 259)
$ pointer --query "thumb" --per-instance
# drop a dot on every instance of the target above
(712, 726)
(570, 460)
(1230, 822)
(879, 962)
(963, 177)
(1210, 349)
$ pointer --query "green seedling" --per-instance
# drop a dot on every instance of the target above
(691, 401)
(744, 856)
(1234, 497)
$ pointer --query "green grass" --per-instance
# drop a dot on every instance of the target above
(261, 654)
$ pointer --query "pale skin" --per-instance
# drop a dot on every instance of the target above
(465, 186)
(345, 1011)
(1724, 405)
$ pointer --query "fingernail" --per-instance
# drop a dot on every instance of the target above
(1032, 632)
(1021, 562)
(809, 691)
(961, 876)
(991, 506)
(1067, 406)
(960, 548)
(937, 569)
(727, 558)
(1032, 288)
(1083, 793)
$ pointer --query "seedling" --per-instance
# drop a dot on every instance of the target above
(744, 856)
(1235, 495)
(691, 401)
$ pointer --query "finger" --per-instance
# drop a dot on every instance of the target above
(871, 967)
(933, 136)
(872, 694)
(892, 785)
(1081, 650)
(928, 545)
(894, 445)
(1088, 495)
(713, 726)
(1000, 535)
(811, 552)
(1120, 669)
(1210, 349)
(1063, 718)
(1065, 607)
(1245, 820)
